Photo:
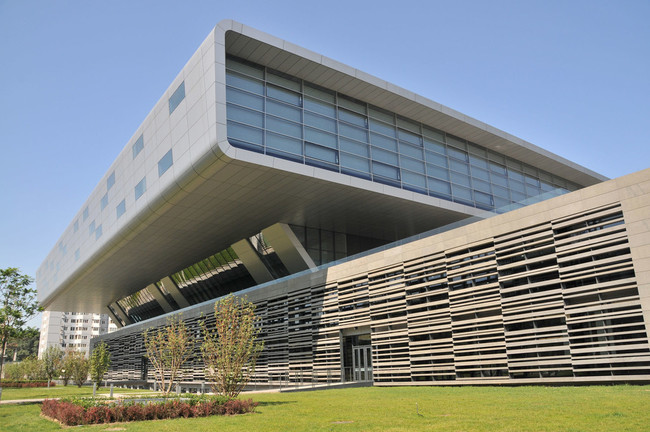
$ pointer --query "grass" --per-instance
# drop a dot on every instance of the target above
(593, 409)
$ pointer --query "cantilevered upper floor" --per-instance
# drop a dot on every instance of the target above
(256, 131)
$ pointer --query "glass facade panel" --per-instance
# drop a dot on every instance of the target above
(245, 83)
(352, 118)
(353, 132)
(355, 162)
(286, 111)
(320, 137)
(320, 122)
(383, 142)
(320, 107)
(273, 113)
(283, 143)
(243, 115)
(414, 179)
(381, 127)
(283, 95)
(385, 156)
(321, 153)
(284, 127)
(243, 98)
(384, 170)
(355, 147)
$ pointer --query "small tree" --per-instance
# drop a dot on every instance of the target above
(52, 362)
(33, 368)
(168, 348)
(17, 305)
(80, 367)
(100, 360)
(67, 366)
(231, 349)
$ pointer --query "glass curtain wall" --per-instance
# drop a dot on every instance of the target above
(279, 115)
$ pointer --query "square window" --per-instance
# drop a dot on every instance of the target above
(177, 97)
(121, 208)
(165, 163)
(138, 146)
(104, 201)
(110, 181)
(140, 188)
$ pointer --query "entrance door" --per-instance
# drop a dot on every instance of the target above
(362, 363)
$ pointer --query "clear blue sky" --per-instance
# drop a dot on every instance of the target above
(78, 76)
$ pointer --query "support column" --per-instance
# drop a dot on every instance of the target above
(120, 313)
(160, 298)
(172, 289)
(114, 317)
(252, 261)
(288, 248)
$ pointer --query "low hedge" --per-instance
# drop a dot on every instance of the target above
(91, 411)
(25, 383)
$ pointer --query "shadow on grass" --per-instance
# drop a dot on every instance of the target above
(272, 403)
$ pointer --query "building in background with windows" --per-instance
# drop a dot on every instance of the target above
(384, 237)
(71, 330)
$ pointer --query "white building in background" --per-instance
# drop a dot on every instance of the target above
(72, 330)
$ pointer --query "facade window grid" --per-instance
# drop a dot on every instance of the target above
(288, 136)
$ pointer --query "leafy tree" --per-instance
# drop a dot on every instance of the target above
(23, 344)
(100, 360)
(17, 305)
(52, 358)
(67, 366)
(231, 349)
(80, 367)
(33, 368)
(168, 348)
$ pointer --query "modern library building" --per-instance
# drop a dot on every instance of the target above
(382, 236)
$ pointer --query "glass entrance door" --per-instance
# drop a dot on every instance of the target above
(362, 363)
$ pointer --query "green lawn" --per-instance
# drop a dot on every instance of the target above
(596, 408)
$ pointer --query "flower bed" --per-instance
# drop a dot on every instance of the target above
(22, 384)
(72, 412)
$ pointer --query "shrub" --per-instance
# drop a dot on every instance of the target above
(25, 384)
(72, 412)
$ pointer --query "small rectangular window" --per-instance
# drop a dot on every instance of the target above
(91, 228)
(98, 232)
(76, 255)
(85, 214)
(76, 225)
(104, 201)
(177, 97)
(140, 188)
(138, 146)
(110, 181)
(121, 208)
(165, 163)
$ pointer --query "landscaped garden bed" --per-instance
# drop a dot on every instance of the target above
(25, 383)
(73, 412)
